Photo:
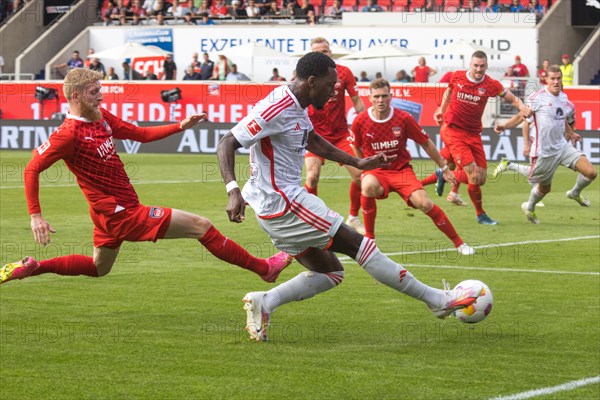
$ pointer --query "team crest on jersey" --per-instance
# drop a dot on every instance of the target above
(43, 147)
(107, 127)
(156, 212)
(253, 127)
(397, 131)
(481, 91)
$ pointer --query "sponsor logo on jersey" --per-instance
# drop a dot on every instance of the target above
(297, 128)
(253, 127)
(397, 131)
(157, 212)
(468, 97)
(388, 144)
(43, 147)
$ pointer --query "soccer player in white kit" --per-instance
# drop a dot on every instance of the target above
(278, 133)
(550, 147)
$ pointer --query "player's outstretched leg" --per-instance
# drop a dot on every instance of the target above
(72, 265)
(18, 270)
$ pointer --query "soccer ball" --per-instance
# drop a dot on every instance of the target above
(479, 310)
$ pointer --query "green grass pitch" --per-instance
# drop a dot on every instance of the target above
(167, 322)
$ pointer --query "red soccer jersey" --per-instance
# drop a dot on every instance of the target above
(520, 70)
(331, 122)
(422, 73)
(89, 152)
(468, 101)
(387, 136)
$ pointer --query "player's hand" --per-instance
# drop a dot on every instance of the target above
(526, 150)
(236, 207)
(575, 137)
(499, 128)
(41, 229)
(449, 177)
(190, 121)
(377, 161)
(526, 112)
(438, 116)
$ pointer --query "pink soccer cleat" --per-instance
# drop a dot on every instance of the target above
(18, 270)
(277, 263)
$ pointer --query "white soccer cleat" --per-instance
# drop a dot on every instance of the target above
(455, 199)
(583, 202)
(465, 250)
(500, 168)
(531, 217)
(354, 223)
(455, 299)
(257, 321)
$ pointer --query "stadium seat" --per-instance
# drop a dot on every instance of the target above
(451, 5)
(400, 5)
(417, 4)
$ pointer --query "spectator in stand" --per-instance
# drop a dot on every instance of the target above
(263, 5)
(130, 74)
(378, 75)
(177, 10)
(235, 76)
(519, 69)
(422, 72)
(88, 60)
(188, 19)
(196, 64)
(160, 7)
(429, 6)
(219, 10)
(510, 72)
(237, 9)
(138, 9)
(402, 76)
(159, 19)
(371, 6)
(336, 9)
(537, 8)
(74, 62)
(543, 72)
(202, 7)
(117, 10)
(97, 66)
(274, 10)
(169, 68)
(306, 8)
(106, 21)
(136, 20)
(516, 7)
(206, 20)
(191, 74)
(206, 68)
(492, 6)
(147, 6)
(150, 76)
(252, 10)
(222, 68)
(363, 77)
(470, 6)
(311, 19)
(122, 20)
(446, 78)
(567, 70)
(110, 75)
(276, 77)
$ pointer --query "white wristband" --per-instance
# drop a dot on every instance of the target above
(231, 185)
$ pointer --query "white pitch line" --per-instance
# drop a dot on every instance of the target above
(549, 390)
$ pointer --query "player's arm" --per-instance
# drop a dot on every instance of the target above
(59, 145)
(439, 113)
(319, 146)
(125, 130)
(525, 133)
(517, 103)
(434, 154)
(359, 106)
(511, 123)
(236, 206)
(570, 134)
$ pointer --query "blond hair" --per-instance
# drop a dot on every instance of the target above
(319, 39)
(77, 79)
(379, 84)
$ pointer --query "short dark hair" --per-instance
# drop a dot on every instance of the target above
(555, 68)
(379, 83)
(479, 54)
(314, 64)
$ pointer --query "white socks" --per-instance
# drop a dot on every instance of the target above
(301, 287)
(534, 198)
(581, 183)
(393, 275)
(520, 168)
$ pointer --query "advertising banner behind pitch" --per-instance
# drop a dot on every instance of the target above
(204, 137)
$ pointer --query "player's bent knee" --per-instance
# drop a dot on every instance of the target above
(200, 225)
(102, 269)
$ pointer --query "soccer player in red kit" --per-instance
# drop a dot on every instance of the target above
(85, 141)
(460, 112)
(331, 124)
(383, 128)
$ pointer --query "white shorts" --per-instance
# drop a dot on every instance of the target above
(543, 169)
(308, 223)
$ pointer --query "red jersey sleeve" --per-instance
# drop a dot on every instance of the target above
(59, 146)
(414, 130)
(355, 137)
(350, 84)
(497, 88)
(125, 130)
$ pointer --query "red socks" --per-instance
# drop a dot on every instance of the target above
(75, 264)
(311, 190)
(354, 199)
(476, 198)
(440, 220)
(430, 180)
(369, 209)
(231, 252)
(461, 176)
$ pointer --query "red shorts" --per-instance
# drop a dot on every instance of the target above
(138, 224)
(403, 182)
(466, 148)
(341, 143)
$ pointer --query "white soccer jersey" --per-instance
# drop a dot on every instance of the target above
(547, 126)
(276, 131)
